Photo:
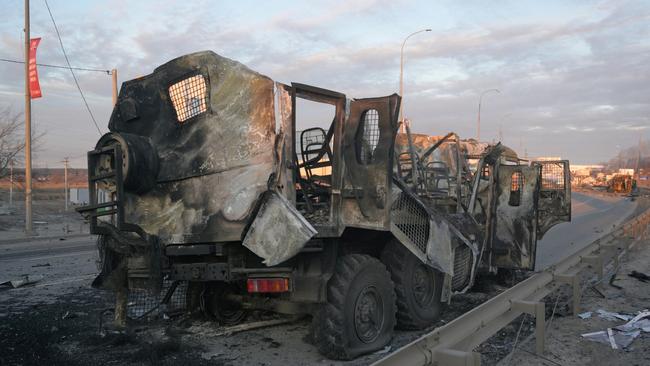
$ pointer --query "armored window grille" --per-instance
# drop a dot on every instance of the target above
(368, 136)
(189, 97)
(553, 176)
(516, 186)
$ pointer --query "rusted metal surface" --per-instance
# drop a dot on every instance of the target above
(554, 195)
(515, 216)
(368, 145)
(185, 205)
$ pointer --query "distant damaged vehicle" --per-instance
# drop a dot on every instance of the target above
(245, 189)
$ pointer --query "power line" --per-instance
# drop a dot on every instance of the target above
(108, 72)
(70, 67)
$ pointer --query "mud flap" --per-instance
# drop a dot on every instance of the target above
(278, 231)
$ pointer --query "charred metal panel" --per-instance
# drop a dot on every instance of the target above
(286, 179)
(368, 148)
(211, 121)
(431, 235)
(278, 231)
(554, 195)
(514, 226)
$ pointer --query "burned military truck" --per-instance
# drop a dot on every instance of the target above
(211, 182)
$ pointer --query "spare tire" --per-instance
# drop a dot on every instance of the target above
(139, 160)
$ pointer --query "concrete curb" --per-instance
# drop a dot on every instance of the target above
(43, 238)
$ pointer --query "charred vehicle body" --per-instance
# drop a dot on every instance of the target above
(211, 182)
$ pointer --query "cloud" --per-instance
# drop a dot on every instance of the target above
(559, 76)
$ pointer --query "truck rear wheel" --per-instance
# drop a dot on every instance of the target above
(418, 287)
(359, 315)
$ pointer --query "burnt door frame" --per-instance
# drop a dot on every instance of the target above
(338, 100)
(555, 194)
(513, 237)
(368, 152)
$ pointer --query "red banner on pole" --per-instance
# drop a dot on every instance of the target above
(34, 86)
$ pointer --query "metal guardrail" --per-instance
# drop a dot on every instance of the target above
(452, 344)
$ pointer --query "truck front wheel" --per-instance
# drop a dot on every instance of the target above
(359, 315)
(418, 287)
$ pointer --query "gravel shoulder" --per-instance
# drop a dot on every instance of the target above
(564, 344)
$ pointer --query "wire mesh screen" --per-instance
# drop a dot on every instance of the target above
(462, 267)
(312, 142)
(189, 97)
(516, 181)
(369, 138)
(142, 304)
(412, 220)
(552, 176)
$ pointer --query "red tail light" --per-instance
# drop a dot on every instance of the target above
(267, 285)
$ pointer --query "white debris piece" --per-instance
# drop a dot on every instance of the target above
(608, 315)
(639, 322)
(585, 315)
(23, 280)
(617, 339)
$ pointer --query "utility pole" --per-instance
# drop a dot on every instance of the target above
(637, 172)
(114, 75)
(11, 182)
(65, 181)
(28, 132)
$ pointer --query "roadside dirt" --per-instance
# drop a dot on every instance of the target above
(564, 344)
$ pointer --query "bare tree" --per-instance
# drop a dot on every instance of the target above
(12, 139)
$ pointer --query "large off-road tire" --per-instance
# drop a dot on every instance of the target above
(418, 287)
(359, 315)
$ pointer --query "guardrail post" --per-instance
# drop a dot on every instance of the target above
(574, 282)
(536, 309)
(452, 357)
(595, 261)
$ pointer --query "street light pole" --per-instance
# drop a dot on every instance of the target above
(401, 77)
(480, 100)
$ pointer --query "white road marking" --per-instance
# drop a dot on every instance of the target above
(62, 281)
(58, 256)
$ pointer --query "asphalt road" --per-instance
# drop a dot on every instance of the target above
(65, 266)
(592, 217)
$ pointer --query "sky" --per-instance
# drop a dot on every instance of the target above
(573, 75)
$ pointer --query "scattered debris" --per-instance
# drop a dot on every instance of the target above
(639, 276)
(585, 315)
(623, 335)
(24, 280)
(612, 316)
(616, 339)
(638, 322)
(255, 325)
(384, 350)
